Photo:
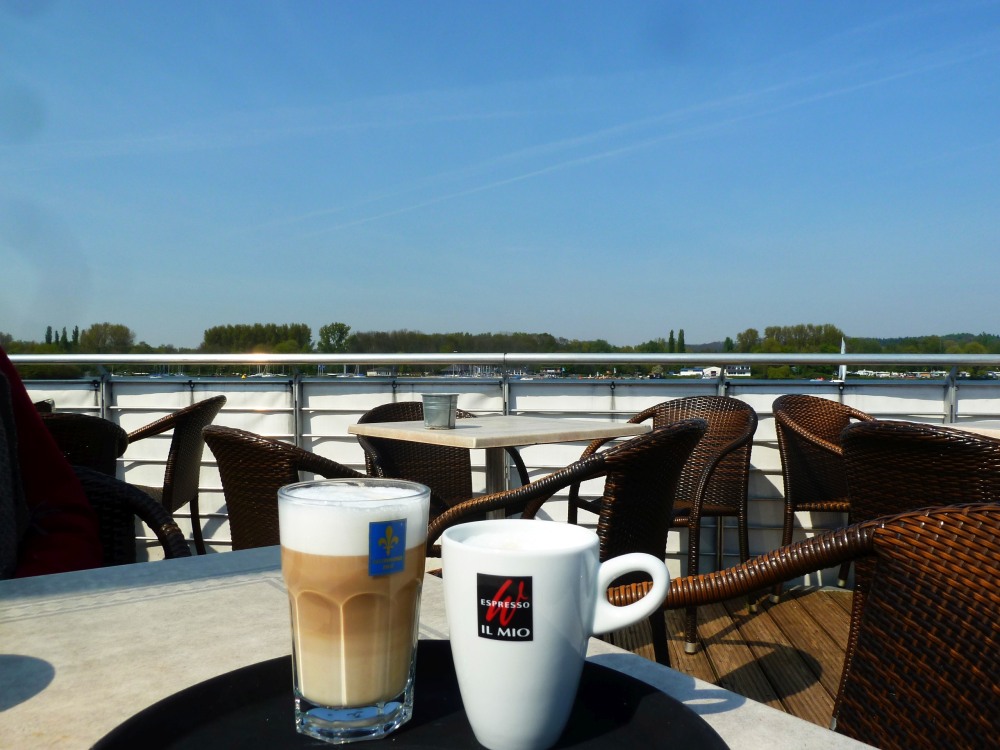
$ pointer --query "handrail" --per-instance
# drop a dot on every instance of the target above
(721, 359)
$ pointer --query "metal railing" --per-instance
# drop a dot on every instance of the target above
(314, 411)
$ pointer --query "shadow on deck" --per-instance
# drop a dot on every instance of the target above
(788, 655)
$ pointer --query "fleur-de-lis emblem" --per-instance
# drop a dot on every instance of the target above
(389, 541)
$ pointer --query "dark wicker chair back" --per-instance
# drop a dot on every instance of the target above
(812, 461)
(808, 430)
(47, 406)
(183, 468)
(894, 466)
(87, 440)
(922, 662)
(641, 475)
(446, 470)
(252, 468)
(714, 479)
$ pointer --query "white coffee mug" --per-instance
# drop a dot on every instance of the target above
(522, 599)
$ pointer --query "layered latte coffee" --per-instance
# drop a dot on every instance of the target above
(352, 555)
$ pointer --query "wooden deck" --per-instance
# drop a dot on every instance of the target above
(788, 655)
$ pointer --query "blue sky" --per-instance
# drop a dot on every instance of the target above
(592, 170)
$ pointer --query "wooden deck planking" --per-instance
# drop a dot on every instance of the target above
(732, 660)
(788, 670)
(810, 639)
(787, 655)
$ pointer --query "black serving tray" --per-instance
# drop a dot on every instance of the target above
(252, 708)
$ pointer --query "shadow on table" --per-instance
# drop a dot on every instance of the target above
(22, 677)
(704, 699)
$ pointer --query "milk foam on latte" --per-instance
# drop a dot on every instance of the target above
(306, 525)
(354, 632)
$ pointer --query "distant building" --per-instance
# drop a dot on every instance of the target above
(731, 371)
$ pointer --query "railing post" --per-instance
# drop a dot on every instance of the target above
(295, 386)
(103, 393)
(951, 396)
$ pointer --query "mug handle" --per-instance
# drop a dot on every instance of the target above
(607, 616)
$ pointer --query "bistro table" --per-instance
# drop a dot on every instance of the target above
(82, 652)
(495, 433)
(987, 428)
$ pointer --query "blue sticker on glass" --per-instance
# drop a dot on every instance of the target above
(386, 547)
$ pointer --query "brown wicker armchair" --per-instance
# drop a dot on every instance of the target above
(812, 462)
(446, 470)
(921, 666)
(635, 514)
(183, 469)
(252, 468)
(713, 482)
(87, 440)
(117, 505)
(895, 466)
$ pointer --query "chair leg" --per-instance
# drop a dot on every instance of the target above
(691, 613)
(845, 569)
(720, 541)
(786, 538)
(658, 624)
(742, 529)
(691, 630)
(196, 532)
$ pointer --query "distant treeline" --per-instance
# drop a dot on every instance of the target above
(293, 338)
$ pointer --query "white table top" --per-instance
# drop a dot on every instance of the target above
(985, 427)
(82, 652)
(502, 431)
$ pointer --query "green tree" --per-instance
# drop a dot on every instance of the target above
(333, 338)
(728, 345)
(107, 338)
(681, 348)
(48, 335)
(259, 337)
(671, 342)
(748, 340)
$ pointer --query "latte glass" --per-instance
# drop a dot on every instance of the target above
(352, 556)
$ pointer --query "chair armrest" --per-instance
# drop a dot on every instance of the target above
(818, 442)
(311, 462)
(823, 551)
(117, 503)
(158, 427)
(526, 499)
(522, 470)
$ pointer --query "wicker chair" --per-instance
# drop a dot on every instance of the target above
(921, 666)
(894, 466)
(183, 469)
(87, 440)
(446, 470)
(812, 461)
(46, 406)
(252, 468)
(117, 505)
(714, 480)
(634, 516)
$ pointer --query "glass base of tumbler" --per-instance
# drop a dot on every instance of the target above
(353, 724)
